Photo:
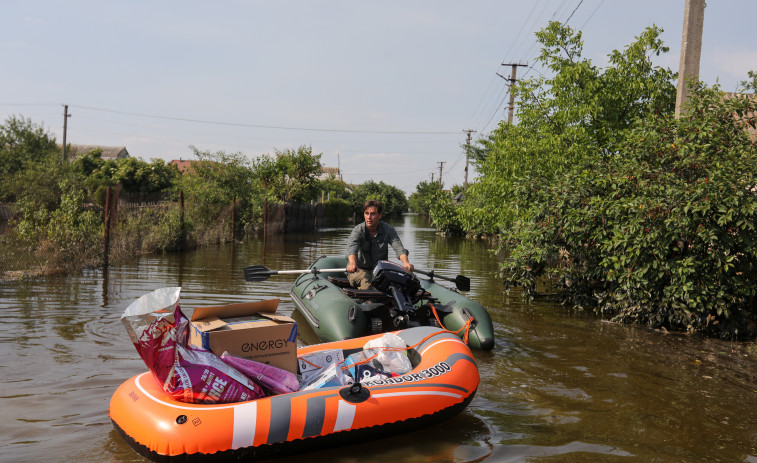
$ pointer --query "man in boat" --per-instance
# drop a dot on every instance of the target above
(369, 243)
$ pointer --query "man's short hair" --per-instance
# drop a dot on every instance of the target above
(373, 203)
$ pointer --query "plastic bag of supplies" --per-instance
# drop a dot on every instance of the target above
(158, 330)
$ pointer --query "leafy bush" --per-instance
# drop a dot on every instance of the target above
(169, 234)
(70, 232)
(290, 175)
(422, 198)
(337, 211)
(392, 198)
(661, 233)
(444, 213)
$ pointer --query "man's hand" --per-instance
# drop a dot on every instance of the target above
(351, 264)
(406, 263)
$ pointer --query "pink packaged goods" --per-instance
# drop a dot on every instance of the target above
(274, 380)
(158, 330)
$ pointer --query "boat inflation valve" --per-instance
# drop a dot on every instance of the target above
(181, 419)
(355, 393)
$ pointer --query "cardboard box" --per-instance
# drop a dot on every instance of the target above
(249, 330)
(311, 365)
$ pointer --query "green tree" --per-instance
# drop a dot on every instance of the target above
(662, 233)
(213, 183)
(217, 178)
(332, 188)
(138, 176)
(580, 112)
(422, 198)
(133, 174)
(24, 146)
(289, 175)
(392, 198)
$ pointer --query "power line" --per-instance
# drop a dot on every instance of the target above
(235, 124)
(592, 14)
(574, 11)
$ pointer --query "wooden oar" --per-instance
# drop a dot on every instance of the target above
(461, 282)
(262, 273)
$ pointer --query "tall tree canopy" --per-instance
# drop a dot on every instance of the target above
(576, 113)
(392, 198)
(289, 175)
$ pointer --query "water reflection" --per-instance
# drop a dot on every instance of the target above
(559, 385)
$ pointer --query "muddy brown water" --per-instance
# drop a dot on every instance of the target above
(559, 385)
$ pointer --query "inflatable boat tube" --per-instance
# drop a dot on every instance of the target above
(336, 311)
(442, 382)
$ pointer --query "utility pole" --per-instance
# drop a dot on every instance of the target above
(441, 166)
(432, 177)
(512, 81)
(65, 128)
(467, 150)
(691, 51)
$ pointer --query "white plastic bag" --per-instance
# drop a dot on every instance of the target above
(391, 352)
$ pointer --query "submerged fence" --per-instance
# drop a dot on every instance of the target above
(133, 227)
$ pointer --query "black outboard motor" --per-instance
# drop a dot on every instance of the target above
(402, 285)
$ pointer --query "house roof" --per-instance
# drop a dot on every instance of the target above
(108, 152)
(327, 172)
(183, 165)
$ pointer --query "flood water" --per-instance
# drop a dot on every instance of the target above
(558, 386)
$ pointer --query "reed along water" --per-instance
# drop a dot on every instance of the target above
(559, 385)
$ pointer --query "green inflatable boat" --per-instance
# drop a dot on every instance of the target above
(396, 300)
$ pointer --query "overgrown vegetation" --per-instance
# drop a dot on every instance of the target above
(599, 192)
(579, 113)
(663, 235)
(392, 198)
(59, 222)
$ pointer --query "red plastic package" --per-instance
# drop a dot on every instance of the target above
(158, 329)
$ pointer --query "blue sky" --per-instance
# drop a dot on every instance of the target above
(384, 89)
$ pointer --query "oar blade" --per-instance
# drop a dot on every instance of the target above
(257, 273)
(462, 283)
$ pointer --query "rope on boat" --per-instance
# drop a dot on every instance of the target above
(465, 327)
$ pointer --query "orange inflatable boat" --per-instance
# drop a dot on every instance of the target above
(442, 382)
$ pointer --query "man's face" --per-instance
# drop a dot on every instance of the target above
(372, 217)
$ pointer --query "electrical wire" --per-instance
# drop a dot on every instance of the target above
(236, 124)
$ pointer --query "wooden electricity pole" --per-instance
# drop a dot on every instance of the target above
(65, 128)
(691, 50)
(511, 81)
(441, 166)
(467, 151)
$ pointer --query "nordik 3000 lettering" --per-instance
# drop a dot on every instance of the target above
(264, 345)
(436, 370)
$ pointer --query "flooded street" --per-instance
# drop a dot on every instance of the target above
(558, 386)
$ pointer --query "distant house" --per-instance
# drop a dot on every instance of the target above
(182, 165)
(109, 153)
(189, 166)
(327, 172)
